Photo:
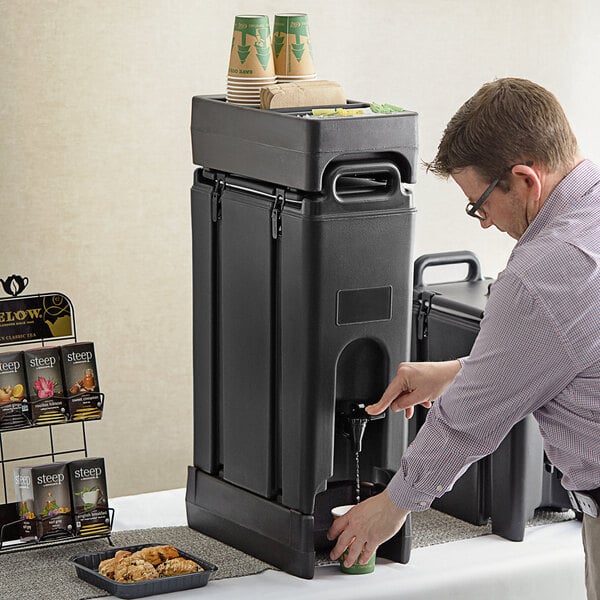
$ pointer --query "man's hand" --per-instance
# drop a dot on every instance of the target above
(416, 383)
(364, 528)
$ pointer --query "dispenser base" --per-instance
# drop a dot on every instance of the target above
(255, 525)
(280, 536)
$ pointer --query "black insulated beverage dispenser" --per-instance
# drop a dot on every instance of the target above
(302, 292)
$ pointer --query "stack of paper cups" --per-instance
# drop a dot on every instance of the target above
(251, 60)
(292, 49)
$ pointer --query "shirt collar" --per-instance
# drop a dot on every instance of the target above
(575, 184)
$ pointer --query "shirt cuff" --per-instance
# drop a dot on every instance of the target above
(404, 496)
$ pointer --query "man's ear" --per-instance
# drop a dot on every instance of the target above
(529, 179)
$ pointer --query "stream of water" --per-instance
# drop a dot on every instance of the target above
(357, 458)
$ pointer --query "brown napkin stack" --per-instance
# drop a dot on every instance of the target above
(318, 92)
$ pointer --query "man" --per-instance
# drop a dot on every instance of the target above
(511, 150)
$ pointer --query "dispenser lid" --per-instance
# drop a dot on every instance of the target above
(282, 146)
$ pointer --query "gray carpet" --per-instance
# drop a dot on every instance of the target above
(46, 574)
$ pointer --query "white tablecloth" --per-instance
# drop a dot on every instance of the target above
(547, 565)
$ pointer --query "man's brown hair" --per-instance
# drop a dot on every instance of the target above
(507, 121)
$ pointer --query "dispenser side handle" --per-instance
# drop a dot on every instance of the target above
(357, 182)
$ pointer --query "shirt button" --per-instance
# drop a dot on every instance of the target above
(422, 503)
(439, 488)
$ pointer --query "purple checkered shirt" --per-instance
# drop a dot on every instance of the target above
(538, 352)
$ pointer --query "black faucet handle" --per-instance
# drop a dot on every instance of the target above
(358, 412)
(356, 423)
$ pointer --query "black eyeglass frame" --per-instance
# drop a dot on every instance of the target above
(473, 207)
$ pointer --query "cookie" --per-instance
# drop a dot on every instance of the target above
(156, 554)
(178, 566)
(130, 570)
(107, 567)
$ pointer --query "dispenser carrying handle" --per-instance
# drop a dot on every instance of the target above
(447, 258)
(363, 181)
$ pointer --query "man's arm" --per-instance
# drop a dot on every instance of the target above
(416, 383)
(518, 363)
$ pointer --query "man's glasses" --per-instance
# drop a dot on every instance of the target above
(474, 208)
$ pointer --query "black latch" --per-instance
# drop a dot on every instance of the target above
(423, 314)
(550, 468)
(276, 211)
(215, 196)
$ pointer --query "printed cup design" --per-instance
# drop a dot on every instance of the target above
(291, 45)
(250, 54)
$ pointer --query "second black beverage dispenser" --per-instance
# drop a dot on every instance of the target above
(302, 291)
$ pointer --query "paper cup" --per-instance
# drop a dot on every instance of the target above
(251, 55)
(284, 79)
(243, 101)
(242, 90)
(242, 95)
(291, 45)
(297, 77)
(246, 91)
(251, 94)
(252, 80)
(250, 85)
(356, 568)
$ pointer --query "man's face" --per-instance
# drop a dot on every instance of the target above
(507, 211)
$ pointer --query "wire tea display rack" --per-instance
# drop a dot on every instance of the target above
(38, 319)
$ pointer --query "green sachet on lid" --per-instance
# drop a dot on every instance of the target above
(385, 108)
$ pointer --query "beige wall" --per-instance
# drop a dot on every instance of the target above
(96, 165)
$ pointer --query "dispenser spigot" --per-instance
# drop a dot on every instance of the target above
(357, 420)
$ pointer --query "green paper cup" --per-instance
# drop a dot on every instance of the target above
(251, 55)
(356, 568)
(292, 50)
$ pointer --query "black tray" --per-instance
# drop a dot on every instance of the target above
(86, 566)
(281, 146)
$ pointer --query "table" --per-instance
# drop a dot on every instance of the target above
(547, 564)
